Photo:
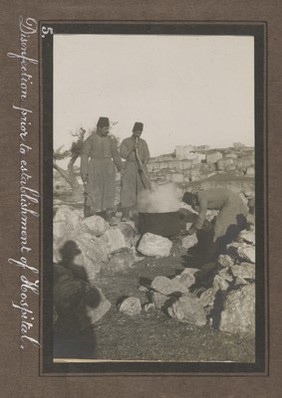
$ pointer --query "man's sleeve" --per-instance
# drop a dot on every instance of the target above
(116, 156)
(125, 149)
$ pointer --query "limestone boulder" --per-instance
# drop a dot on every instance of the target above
(112, 240)
(240, 281)
(238, 315)
(247, 253)
(226, 274)
(188, 309)
(159, 299)
(65, 221)
(154, 245)
(225, 261)
(120, 260)
(130, 306)
(95, 225)
(244, 271)
(189, 241)
(167, 286)
(187, 277)
(92, 255)
(220, 283)
(248, 236)
(207, 298)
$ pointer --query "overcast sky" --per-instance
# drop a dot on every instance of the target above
(187, 90)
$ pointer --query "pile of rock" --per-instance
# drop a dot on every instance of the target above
(228, 303)
(116, 249)
(100, 244)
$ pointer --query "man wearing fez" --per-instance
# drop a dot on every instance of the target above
(231, 219)
(134, 180)
(98, 174)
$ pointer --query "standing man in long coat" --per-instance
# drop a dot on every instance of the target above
(98, 174)
(231, 219)
(135, 178)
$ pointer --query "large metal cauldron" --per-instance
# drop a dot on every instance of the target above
(164, 224)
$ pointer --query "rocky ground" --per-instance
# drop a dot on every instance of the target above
(154, 335)
(157, 304)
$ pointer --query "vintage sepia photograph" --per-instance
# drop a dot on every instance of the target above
(153, 150)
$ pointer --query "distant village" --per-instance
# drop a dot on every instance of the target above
(191, 163)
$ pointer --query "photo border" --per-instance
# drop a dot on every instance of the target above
(259, 31)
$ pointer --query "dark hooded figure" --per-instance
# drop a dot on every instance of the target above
(232, 217)
(136, 153)
(72, 292)
(98, 174)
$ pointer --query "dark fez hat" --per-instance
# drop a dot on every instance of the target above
(137, 126)
(189, 197)
(103, 122)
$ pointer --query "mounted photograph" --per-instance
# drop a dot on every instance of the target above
(153, 178)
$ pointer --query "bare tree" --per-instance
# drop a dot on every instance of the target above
(74, 153)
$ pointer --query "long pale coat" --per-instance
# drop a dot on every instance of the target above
(230, 205)
(131, 183)
(101, 171)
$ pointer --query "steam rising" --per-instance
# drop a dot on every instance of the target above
(161, 199)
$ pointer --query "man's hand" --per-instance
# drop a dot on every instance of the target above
(122, 172)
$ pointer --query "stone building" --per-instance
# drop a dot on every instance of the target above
(213, 157)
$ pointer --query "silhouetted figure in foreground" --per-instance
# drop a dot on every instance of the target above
(73, 332)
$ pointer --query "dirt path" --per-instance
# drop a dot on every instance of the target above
(153, 335)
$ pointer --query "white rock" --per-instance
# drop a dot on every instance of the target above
(92, 256)
(188, 225)
(149, 307)
(167, 286)
(248, 236)
(154, 245)
(121, 260)
(159, 299)
(226, 274)
(188, 309)
(244, 271)
(189, 241)
(65, 221)
(219, 283)
(186, 277)
(225, 261)
(207, 298)
(95, 225)
(112, 240)
(238, 314)
(240, 281)
(248, 253)
(130, 306)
